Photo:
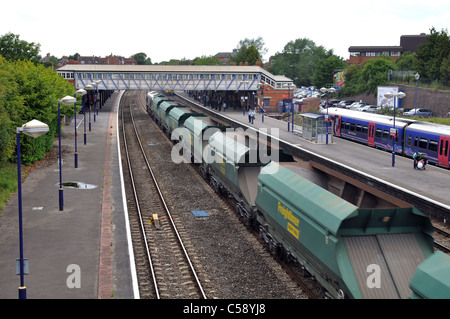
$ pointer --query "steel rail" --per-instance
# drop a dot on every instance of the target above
(188, 259)
(149, 257)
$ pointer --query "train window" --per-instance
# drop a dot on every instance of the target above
(433, 145)
(358, 128)
(364, 129)
(423, 143)
(386, 134)
(342, 125)
(415, 141)
(378, 133)
(443, 149)
(409, 139)
(352, 126)
(347, 125)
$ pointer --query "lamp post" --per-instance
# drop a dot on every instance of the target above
(81, 93)
(416, 76)
(262, 84)
(88, 88)
(98, 95)
(393, 132)
(94, 86)
(245, 93)
(66, 101)
(292, 104)
(324, 90)
(34, 129)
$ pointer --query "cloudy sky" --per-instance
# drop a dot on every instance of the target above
(187, 29)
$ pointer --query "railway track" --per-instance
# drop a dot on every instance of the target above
(442, 239)
(163, 264)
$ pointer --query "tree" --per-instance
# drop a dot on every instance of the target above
(142, 59)
(324, 70)
(431, 55)
(206, 60)
(249, 50)
(406, 62)
(298, 60)
(445, 69)
(12, 48)
(366, 77)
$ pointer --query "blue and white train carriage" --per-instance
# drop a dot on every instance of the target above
(378, 131)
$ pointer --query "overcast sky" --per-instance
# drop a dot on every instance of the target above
(179, 29)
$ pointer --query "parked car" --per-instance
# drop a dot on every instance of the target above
(333, 102)
(345, 104)
(357, 105)
(370, 108)
(419, 112)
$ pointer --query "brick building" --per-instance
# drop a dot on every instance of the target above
(360, 54)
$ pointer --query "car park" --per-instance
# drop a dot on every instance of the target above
(422, 112)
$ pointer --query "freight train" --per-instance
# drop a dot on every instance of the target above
(378, 131)
(355, 241)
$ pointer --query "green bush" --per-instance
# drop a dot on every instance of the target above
(29, 92)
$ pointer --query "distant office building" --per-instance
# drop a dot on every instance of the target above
(360, 54)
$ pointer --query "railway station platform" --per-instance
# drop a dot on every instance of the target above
(80, 252)
(431, 183)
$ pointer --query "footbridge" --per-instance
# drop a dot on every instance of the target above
(172, 77)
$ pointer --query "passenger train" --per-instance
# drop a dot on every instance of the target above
(378, 131)
(338, 231)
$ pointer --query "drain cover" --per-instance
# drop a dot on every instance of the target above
(199, 213)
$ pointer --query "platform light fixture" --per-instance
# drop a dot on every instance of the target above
(416, 76)
(68, 100)
(88, 88)
(325, 90)
(34, 129)
(245, 95)
(98, 95)
(393, 133)
(289, 85)
(81, 93)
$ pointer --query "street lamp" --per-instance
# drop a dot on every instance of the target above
(324, 90)
(245, 93)
(416, 76)
(94, 85)
(81, 93)
(88, 88)
(393, 132)
(98, 95)
(292, 105)
(66, 101)
(34, 129)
